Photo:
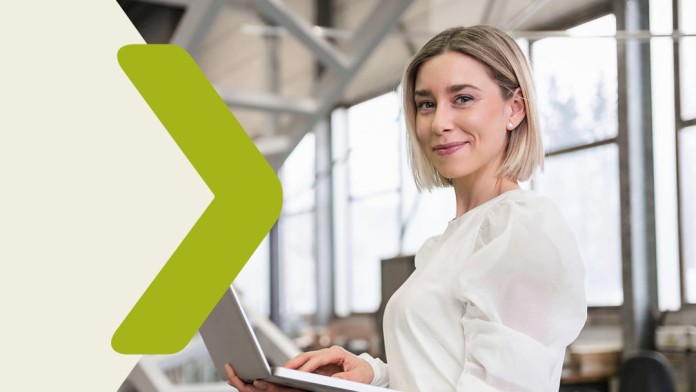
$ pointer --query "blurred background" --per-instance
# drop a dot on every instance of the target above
(315, 85)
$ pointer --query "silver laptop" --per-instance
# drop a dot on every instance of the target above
(229, 338)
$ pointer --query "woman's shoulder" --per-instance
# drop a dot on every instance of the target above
(521, 203)
(523, 209)
(533, 228)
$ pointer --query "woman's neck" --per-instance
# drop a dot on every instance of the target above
(471, 194)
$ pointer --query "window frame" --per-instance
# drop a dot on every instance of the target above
(681, 126)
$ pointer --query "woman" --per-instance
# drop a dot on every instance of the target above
(496, 299)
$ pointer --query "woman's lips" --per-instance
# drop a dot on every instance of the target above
(448, 148)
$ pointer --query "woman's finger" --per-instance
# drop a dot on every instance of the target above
(328, 370)
(299, 360)
(235, 381)
(329, 356)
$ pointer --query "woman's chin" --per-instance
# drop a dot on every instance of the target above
(451, 173)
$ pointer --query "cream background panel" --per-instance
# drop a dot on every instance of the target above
(94, 195)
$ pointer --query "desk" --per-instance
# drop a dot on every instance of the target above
(573, 381)
(684, 368)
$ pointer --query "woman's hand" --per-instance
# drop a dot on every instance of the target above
(258, 385)
(334, 362)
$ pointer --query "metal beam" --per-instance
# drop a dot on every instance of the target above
(282, 15)
(410, 46)
(571, 20)
(325, 275)
(342, 34)
(635, 139)
(488, 12)
(379, 23)
(267, 101)
(324, 223)
(328, 91)
(272, 68)
(195, 23)
(528, 11)
(323, 17)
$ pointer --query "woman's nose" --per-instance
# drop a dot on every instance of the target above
(442, 120)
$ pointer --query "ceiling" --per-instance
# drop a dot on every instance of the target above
(281, 74)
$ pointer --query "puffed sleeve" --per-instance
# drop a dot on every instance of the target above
(522, 289)
(379, 368)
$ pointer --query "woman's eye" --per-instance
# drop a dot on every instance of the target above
(463, 99)
(424, 105)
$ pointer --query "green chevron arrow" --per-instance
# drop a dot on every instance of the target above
(247, 201)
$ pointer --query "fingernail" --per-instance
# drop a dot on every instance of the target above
(259, 384)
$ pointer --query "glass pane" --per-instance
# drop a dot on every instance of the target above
(687, 172)
(585, 187)
(298, 175)
(374, 137)
(577, 86)
(687, 22)
(339, 139)
(254, 281)
(687, 54)
(687, 72)
(664, 159)
(374, 234)
(298, 271)
(339, 135)
(523, 43)
(427, 216)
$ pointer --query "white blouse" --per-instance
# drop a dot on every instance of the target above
(492, 305)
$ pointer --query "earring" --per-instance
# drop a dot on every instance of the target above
(510, 126)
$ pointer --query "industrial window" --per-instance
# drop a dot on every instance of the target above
(577, 87)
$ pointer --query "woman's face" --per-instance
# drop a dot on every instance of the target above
(461, 116)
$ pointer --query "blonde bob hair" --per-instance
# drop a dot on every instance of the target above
(506, 64)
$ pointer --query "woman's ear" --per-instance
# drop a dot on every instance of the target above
(517, 109)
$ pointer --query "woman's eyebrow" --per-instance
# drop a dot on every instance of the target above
(459, 87)
(450, 90)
